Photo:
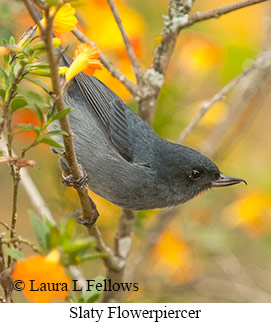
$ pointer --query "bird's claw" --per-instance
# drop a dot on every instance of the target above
(77, 183)
(89, 221)
(58, 151)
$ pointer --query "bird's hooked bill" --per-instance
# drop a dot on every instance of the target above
(224, 180)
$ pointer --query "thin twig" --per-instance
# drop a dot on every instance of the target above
(245, 119)
(12, 94)
(154, 77)
(34, 13)
(206, 106)
(164, 51)
(131, 86)
(111, 261)
(14, 170)
(248, 89)
(123, 241)
(89, 213)
(5, 225)
(30, 187)
(216, 13)
(2, 257)
(19, 240)
(133, 59)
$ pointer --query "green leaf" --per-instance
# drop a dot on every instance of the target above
(10, 78)
(39, 45)
(53, 236)
(41, 231)
(41, 72)
(93, 295)
(18, 103)
(91, 256)
(2, 94)
(4, 41)
(39, 65)
(3, 73)
(33, 97)
(6, 59)
(16, 68)
(39, 52)
(51, 142)
(15, 253)
(79, 244)
(67, 228)
(27, 127)
(57, 133)
(59, 115)
(38, 83)
(12, 40)
(39, 113)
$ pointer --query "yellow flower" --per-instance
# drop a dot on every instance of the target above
(173, 257)
(108, 38)
(85, 60)
(62, 70)
(252, 212)
(199, 53)
(64, 19)
(44, 277)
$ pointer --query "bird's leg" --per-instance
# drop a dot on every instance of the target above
(77, 183)
(67, 177)
(80, 218)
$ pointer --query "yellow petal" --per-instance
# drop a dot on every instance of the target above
(62, 70)
(64, 19)
(77, 66)
(53, 256)
(85, 60)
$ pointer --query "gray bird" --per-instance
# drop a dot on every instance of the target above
(127, 163)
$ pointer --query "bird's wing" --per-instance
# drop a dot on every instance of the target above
(109, 109)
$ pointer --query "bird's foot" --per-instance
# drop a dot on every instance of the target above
(58, 151)
(90, 220)
(77, 183)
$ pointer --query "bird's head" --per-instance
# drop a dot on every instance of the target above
(189, 173)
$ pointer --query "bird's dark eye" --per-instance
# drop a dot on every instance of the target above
(195, 174)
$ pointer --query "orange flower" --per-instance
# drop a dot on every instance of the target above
(25, 116)
(4, 50)
(85, 60)
(43, 276)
